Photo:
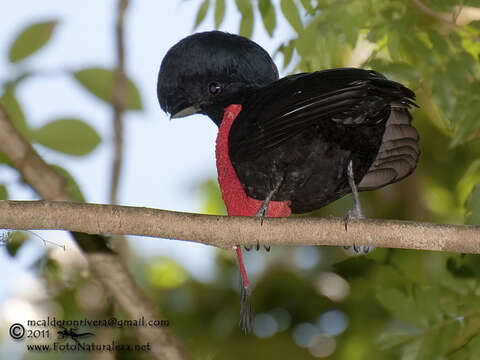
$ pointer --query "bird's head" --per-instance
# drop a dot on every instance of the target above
(208, 71)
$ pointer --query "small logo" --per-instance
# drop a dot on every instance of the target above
(17, 331)
(72, 334)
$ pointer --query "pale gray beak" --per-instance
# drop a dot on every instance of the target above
(186, 112)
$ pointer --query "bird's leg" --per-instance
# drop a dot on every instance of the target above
(262, 212)
(356, 212)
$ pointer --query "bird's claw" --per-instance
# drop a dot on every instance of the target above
(257, 247)
(356, 213)
(359, 249)
(353, 214)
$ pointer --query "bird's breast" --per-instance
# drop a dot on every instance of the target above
(236, 200)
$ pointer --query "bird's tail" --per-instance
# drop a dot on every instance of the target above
(398, 154)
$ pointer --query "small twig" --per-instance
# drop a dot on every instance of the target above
(119, 101)
(449, 20)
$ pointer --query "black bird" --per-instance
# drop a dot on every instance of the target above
(295, 144)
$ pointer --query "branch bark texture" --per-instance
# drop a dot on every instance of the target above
(228, 231)
(107, 266)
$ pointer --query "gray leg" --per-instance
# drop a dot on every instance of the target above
(262, 212)
(356, 212)
(263, 209)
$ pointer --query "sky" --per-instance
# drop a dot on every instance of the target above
(164, 159)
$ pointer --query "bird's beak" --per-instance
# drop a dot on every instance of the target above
(194, 109)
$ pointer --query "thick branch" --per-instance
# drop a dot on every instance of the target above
(225, 232)
(107, 266)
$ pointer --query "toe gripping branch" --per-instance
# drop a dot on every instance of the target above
(245, 306)
(355, 213)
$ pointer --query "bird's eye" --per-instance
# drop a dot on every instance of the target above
(214, 88)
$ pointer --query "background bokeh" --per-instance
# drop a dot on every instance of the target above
(310, 302)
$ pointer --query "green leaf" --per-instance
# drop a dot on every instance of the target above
(201, 13)
(70, 136)
(287, 51)
(396, 70)
(219, 12)
(442, 90)
(437, 340)
(246, 23)
(14, 110)
(14, 240)
(72, 187)
(3, 192)
(388, 340)
(30, 40)
(307, 5)
(269, 19)
(473, 206)
(401, 306)
(412, 350)
(100, 82)
(467, 182)
(165, 274)
(291, 13)
(467, 117)
(459, 270)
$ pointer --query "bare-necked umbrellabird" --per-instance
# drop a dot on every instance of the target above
(289, 145)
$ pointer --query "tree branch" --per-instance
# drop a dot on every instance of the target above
(106, 265)
(227, 231)
(447, 19)
(119, 100)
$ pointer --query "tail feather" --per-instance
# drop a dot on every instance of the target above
(398, 154)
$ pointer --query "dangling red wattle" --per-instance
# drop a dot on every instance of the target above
(238, 203)
(233, 194)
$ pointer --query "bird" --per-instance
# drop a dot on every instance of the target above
(290, 145)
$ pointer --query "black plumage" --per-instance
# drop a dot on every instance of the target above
(304, 129)
(300, 131)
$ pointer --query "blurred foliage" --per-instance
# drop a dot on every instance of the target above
(71, 136)
(30, 40)
(101, 82)
(403, 304)
(390, 304)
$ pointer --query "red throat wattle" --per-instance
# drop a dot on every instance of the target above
(233, 193)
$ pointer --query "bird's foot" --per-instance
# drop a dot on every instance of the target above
(356, 249)
(257, 247)
(262, 214)
(355, 213)
(262, 211)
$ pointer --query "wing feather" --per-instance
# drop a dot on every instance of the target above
(346, 97)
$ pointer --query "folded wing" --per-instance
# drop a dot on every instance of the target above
(348, 97)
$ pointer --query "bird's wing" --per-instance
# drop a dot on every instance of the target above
(279, 111)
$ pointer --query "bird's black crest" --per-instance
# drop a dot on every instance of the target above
(211, 57)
